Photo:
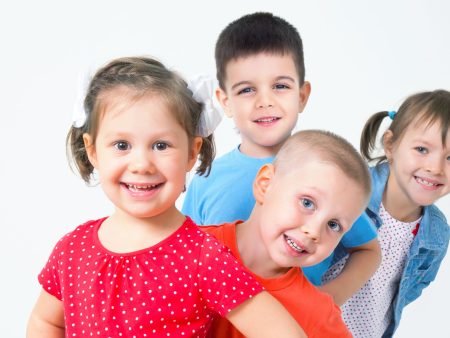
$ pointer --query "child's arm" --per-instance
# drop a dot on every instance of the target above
(263, 316)
(362, 263)
(47, 318)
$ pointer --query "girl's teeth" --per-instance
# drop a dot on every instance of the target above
(425, 182)
(140, 187)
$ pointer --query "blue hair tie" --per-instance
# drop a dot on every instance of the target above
(392, 114)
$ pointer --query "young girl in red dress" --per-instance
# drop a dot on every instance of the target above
(146, 270)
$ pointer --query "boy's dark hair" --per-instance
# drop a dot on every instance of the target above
(258, 33)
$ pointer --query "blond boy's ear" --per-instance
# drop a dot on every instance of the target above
(305, 90)
(262, 182)
(90, 149)
(387, 144)
(222, 97)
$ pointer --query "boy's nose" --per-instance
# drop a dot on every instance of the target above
(312, 231)
(264, 100)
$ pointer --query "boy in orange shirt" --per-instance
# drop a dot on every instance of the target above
(305, 201)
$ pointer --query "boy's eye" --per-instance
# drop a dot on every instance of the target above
(160, 146)
(245, 90)
(281, 86)
(308, 204)
(422, 150)
(122, 145)
(334, 226)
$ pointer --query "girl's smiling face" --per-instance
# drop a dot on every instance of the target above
(141, 154)
(419, 165)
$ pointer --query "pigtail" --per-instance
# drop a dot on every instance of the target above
(369, 136)
(206, 155)
(77, 155)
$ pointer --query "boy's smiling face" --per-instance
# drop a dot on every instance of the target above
(305, 211)
(264, 97)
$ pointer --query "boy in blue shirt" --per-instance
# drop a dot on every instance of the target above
(261, 74)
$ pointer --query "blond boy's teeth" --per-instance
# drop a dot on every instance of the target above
(294, 246)
(422, 181)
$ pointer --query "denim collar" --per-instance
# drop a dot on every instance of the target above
(433, 221)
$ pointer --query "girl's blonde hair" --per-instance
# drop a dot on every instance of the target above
(424, 107)
(141, 76)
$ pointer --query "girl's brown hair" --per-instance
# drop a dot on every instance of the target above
(424, 107)
(141, 76)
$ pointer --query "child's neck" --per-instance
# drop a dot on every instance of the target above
(257, 151)
(253, 252)
(122, 232)
(398, 205)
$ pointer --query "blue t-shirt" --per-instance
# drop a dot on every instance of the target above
(226, 195)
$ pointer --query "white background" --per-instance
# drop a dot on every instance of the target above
(361, 57)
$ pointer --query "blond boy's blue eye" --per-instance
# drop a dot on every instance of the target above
(334, 226)
(308, 204)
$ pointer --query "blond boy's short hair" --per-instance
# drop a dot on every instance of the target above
(329, 148)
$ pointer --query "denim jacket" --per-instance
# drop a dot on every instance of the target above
(425, 254)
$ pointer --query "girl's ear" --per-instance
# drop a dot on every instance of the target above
(90, 149)
(193, 153)
(222, 97)
(262, 182)
(387, 144)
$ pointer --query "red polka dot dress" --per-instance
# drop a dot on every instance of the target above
(171, 289)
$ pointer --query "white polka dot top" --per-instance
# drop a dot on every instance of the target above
(171, 289)
(369, 312)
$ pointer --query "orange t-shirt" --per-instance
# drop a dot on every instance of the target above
(313, 309)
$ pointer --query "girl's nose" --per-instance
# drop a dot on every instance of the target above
(434, 165)
(142, 163)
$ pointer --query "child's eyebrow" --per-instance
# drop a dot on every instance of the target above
(278, 78)
(285, 77)
(240, 83)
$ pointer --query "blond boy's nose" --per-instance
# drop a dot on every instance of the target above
(312, 231)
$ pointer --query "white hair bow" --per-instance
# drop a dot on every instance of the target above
(203, 90)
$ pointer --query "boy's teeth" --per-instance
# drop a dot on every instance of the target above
(269, 119)
(294, 246)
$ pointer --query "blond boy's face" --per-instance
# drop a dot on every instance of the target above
(264, 97)
(305, 211)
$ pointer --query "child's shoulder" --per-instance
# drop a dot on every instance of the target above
(81, 232)
(437, 218)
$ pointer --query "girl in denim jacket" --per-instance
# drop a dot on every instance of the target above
(408, 178)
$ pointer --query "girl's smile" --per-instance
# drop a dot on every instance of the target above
(142, 155)
(420, 170)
